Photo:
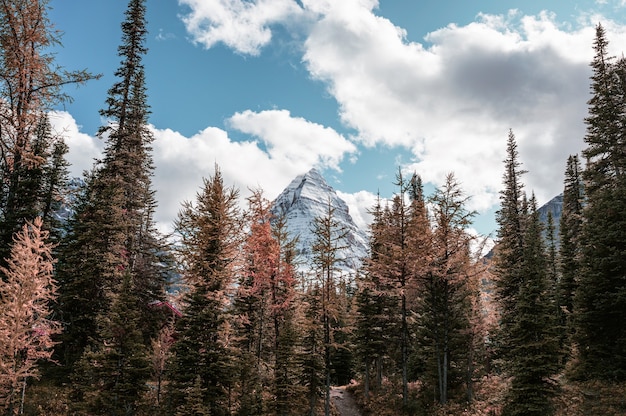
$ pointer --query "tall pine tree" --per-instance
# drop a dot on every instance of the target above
(445, 290)
(570, 238)
(113, 235)
(533, 341)
(600, 300)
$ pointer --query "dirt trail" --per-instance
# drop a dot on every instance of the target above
(344, 402)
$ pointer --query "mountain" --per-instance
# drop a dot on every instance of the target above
(306, 198)
(555, 207)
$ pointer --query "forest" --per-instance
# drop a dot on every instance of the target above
(100, 314)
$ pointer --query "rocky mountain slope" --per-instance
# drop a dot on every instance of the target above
(306, 198)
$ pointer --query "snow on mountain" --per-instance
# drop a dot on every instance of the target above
(307, 198)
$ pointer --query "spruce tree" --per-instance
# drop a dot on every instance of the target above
(600, 299)
(375, 310)
(311, 359)
(112, 376)
(400, 243)
(329, 240)
(509, 248)
(533, 355)
(570, 232)
(570, 242)
(210, 236)
(287, 393)
(113, 234)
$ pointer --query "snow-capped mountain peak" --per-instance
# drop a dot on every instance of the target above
(306, 198)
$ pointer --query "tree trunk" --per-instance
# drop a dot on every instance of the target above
(405, 383)
(367, 381)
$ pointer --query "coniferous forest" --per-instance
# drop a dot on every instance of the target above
(100, 314)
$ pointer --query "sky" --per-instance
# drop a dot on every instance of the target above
(359, 89)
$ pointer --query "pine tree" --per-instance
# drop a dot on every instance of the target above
(509, 252)
(394, 264)
(533, 345)
(210, 237)
(570, 242)
(373, 302)
(113, 233)
(113, 375)
(30, 85)
(446, 291)
(26, 325)
(600, 299)
(329, 240)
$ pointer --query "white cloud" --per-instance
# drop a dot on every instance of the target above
(294, 141)
(239, 24)
(292, 147)
(359, 205)
(453, 99)
(83, 148)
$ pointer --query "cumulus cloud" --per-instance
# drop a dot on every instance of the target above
(242, 25)
(453, 98)
(293, 140)
(359, 205)
(291, 146)
(83, 148)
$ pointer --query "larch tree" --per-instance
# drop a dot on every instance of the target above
(27, 289)
(600, 299)
(202, 357)
(30, 85)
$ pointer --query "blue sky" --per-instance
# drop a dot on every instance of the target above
(357, 88)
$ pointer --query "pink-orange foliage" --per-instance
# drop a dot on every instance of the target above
(272, 277)
(26, 291)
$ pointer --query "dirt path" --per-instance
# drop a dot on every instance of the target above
(344, 402)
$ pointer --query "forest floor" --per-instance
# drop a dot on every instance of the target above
(344, 402)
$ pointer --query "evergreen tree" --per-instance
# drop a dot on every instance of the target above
(570, 232)
(287, 393)
(509, 248)
(446, 291)
(112, 376)
(312, 362)
(533, 340)
(600, 300)
(570, 241)
(394, 264)
(375, 310)
(113, 233)
(210, 237)
(329, 240)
